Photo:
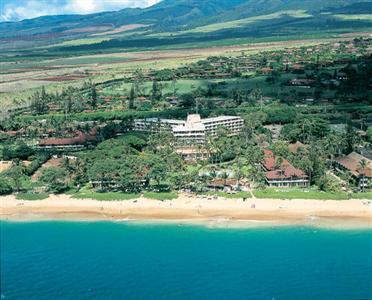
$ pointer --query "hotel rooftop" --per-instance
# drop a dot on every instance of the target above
(192, 130)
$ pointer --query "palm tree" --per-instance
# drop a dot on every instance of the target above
(213, 173)
(238, 174)
(224, 176)
(279, 163)
(362, 171)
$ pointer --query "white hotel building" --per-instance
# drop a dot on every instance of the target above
(192, 131)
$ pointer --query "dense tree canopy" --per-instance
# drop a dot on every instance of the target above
(55, 179)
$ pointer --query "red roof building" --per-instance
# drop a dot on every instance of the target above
(352, 163)
(79, 141)
(282, 174)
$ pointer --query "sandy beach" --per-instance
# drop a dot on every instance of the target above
(216, 213)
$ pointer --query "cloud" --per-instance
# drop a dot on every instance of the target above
(89, 6)
(14, 10)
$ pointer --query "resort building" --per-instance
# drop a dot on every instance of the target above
(192, 131)
(78, 141)
(192, 154)
(228, 185)
(156, 125)
(282, 173)
(353, 164)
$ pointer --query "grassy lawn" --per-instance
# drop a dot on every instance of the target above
(183, 86)
(299, 194)
(32, 196)
(238, 195)
(246, 21)
(366, 195)
(161, 196)
(111, 196)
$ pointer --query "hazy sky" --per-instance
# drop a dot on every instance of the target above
(14, 10)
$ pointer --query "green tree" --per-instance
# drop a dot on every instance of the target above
(55, 179)
(350, 138)
(19, 150)
(132, 96)
(156, 92)
(253, 154)
(306, 130)
(16, 174)
(174, 86)
(39, 102)
(68, 104)
(138, 82)
(5, 187)
(93, 96)
(187, 101)
(312, 161)
(80, 172)
(281, 149)
(369, 134)
(362, 170)
(104, 171)
(238, 172)
(67, 164)
(128, 180)
(178, 180)
(224, 176)
(255, 96)
(158, 170)
(252, 122)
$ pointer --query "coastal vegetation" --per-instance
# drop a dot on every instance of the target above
(161, 196)
(32, 196)
(304, 194)
(307, 106)
(108, 196)
(237, 195)
(187, 149)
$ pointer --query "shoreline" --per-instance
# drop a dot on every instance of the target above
(219, 213)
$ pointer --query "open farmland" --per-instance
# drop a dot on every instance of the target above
(20, 77)
(248, 21)
(121, 29)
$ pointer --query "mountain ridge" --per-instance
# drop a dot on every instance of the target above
(170, 18)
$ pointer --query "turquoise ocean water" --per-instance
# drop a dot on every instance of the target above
(102, 260)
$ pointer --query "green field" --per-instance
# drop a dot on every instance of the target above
(271, 193)
(248, 21)
(366, 195)
(31, 196)
(161, 196)
(238, 195)
(111, 196)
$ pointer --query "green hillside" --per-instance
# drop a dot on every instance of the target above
(177, 23)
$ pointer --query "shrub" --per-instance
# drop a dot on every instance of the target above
(5, 187)
(161, 196)
(55, 179)
(32, 196)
